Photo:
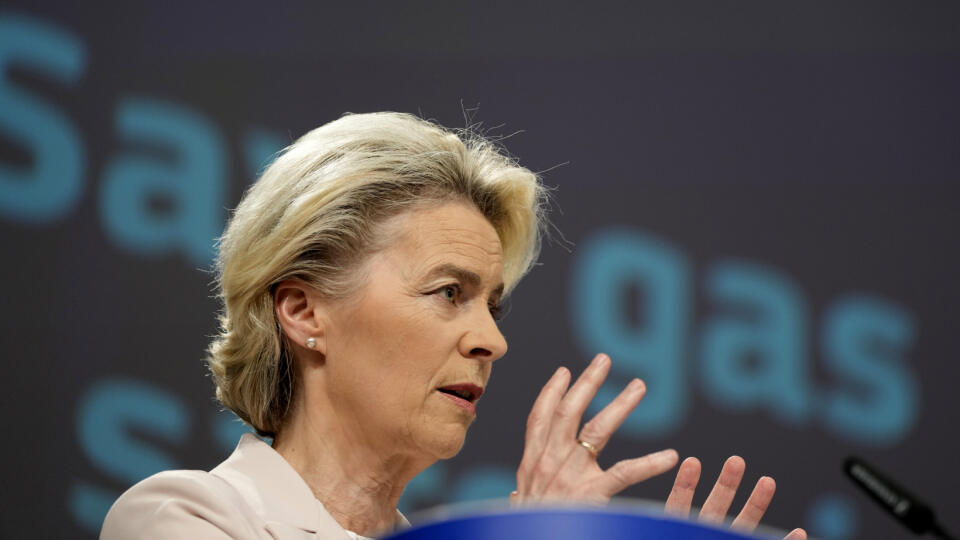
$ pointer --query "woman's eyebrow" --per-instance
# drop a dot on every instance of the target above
(468, 278)
(464, 276)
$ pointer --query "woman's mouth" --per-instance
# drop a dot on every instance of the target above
(464, 395)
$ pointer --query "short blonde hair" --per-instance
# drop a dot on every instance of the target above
(313, 215)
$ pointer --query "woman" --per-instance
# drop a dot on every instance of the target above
(361, 277)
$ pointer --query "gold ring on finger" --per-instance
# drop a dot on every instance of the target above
(594, 451)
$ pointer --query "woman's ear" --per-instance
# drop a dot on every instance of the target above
(300, 311)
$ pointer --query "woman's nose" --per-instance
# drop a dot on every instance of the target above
(483, 339)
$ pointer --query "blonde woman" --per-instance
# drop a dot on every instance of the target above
(360, 278)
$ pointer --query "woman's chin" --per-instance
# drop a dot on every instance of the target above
(445, 443)
(452, 450)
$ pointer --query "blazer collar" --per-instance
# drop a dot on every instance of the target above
(273, 488)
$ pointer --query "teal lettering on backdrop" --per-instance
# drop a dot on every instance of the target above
(51, 185)
(755, 354)
(192, 183)
(612, 265)
(107, 414)
(865, 340)
(753, 350)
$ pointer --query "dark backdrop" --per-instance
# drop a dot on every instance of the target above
(755, 210)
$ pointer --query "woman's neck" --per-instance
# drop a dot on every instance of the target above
(358, 481)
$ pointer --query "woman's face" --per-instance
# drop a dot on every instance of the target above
(417, 332)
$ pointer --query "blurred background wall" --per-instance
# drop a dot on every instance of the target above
(755, 207)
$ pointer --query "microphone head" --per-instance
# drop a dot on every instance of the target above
(904, 507)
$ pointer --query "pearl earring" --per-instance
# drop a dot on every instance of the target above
(311, 342)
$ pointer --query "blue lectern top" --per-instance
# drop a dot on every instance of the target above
(564, 524)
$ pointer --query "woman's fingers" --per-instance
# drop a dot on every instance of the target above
(718, 502)
(631, 471)
(601, 427)
(564, 424)
(596, 433)
(681, 496)
(551, 432)
(541, 415)
(756, 505)
(538, 424)
(566, 418)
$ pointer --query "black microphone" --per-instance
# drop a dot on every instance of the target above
(907, 509)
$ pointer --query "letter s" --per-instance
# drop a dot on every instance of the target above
(51, 187)
(864, 340)
(107, 414)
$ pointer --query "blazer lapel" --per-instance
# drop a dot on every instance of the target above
(276, 492)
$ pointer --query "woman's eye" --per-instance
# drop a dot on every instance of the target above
(449, 293)
(495, 311)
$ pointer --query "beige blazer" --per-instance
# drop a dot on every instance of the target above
(254, 494)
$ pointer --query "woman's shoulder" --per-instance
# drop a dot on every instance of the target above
(169, 486)
(179, 504)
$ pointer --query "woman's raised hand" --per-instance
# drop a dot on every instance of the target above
(559, 464)
(718, 502)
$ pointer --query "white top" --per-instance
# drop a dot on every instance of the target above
(254, 494)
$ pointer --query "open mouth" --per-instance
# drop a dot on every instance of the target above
(467, 392)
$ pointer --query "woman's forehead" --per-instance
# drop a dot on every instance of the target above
(445, 236)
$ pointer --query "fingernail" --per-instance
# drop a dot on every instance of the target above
(601, 360)
(635, 385)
